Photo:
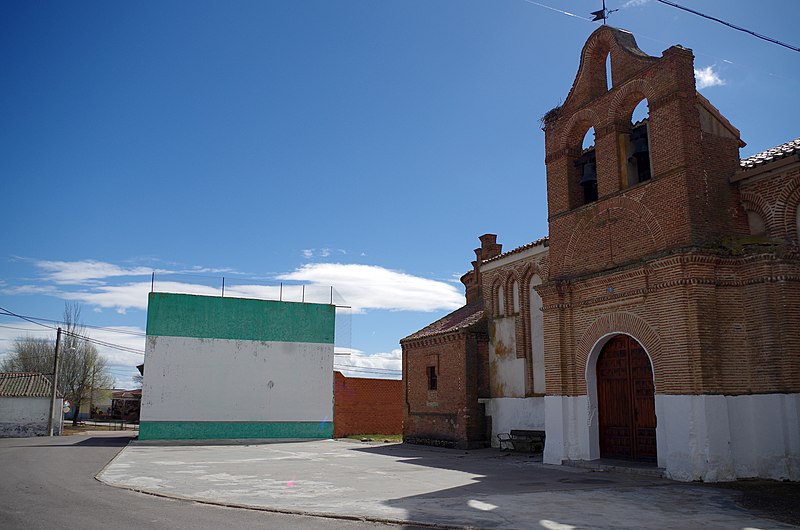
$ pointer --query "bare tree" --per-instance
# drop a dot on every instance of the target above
(29, 354)
(81, 368)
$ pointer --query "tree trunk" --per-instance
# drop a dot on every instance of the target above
(77, 405)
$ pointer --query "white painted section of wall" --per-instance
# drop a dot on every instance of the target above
(189, 379)
(515, 413)
(506, 372)
(537, 337)
(711, 438)
(27, 416)
(515, 295)
(501, 300)
(567, 428)
(714, 438)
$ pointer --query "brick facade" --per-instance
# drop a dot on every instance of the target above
(366, 406)
(657, 231)
(671, 257)
(455, 349)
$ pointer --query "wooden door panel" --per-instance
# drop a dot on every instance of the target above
(626, 402)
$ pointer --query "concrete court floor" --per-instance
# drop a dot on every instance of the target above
(400, 483)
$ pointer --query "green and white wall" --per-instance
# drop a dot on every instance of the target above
(232, 368)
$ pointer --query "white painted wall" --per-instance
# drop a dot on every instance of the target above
(514, 413)
(27, 416)
(714, 438)
(567, 428)
(506, 372)
(191, 379)
(537, 337)
(710, 438)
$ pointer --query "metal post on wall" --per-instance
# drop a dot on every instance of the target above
(331, 294)
(280, 293)
(223, 287)
(303, 296)
(153, 282)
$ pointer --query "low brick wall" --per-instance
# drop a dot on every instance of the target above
(367, 406)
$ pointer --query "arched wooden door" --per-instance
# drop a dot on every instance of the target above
(626, 401)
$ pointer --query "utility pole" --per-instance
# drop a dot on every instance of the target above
(91, 392)
(55, 385)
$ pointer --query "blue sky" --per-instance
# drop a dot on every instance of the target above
(358, 144)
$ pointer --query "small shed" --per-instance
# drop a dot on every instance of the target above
(25, 405)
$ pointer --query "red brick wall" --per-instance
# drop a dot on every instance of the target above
(367, 406)
(451, 414)
(668, 261)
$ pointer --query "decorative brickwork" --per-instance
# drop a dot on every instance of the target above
(684, 248)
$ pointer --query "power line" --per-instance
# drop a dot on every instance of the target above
(4, 311)
(376, 371)
(739, 28)
(57, 322)
(27, 329)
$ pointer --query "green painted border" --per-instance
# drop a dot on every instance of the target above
(214, 317)
(229, 430)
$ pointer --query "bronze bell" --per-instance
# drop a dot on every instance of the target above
(589, 173)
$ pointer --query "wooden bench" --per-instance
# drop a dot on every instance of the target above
(522, 440)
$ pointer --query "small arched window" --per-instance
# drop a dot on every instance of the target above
(586, 167)
(501, 301)
(515, 295)
(636, 155)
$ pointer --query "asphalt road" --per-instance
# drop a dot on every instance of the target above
(48, 483)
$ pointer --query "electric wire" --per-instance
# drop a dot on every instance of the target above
(4, 311)
(57, 322)
(734, 26)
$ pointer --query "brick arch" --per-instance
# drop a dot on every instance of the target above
(531, 270)
(512, 277)
(621, 323)
(790, 200)
(577, 127)
(595, 54)
(498, 284)
(621, 203)
(627, 97)
(754, 202)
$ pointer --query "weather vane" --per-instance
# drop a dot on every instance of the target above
(602, 14)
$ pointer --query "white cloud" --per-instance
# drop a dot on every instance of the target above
(31, 289)
(134, 295)
(374, 366)
(86, 271)
(634, 3)
(322, 252)
(362, 287)
(370, 287)
(706, 77)
(91, 272)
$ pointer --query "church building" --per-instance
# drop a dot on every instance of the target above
(659, 321)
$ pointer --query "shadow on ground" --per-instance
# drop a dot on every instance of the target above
(512, 489)
(71, 441)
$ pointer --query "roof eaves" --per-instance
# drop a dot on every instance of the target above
(541, 241)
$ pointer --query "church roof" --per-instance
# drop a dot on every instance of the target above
(770, 155)
(541, 241)
(460, 319)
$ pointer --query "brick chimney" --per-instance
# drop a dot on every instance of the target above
(472, 280)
